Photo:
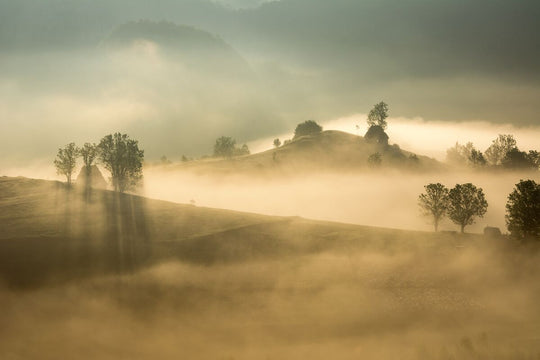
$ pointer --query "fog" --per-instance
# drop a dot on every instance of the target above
(384, 199)
(287, 61)
(412, 300)
(307, 251)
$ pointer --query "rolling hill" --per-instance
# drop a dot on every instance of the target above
(121, 276)
(51, 233)
(328, 151)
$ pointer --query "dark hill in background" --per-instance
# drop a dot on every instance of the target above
(193, 47)
(408, 51)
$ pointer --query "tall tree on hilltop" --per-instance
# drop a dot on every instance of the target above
(309, 127)
(89, 153)
(122, 157)
(66, 161)
(225, 146)
(377, 116)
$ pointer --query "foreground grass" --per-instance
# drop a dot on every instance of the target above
(123, 277)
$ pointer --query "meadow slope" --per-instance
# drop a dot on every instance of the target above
(108, 276)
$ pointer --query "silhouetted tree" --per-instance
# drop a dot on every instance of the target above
(465, 155)
(434, 202)
(534, 156)
(458, 154)
(224, 146)
(476, 158)
(244, 150)
(164, 160)
(523, 210)
(375, 160)
(66, 161)
(89, 153)
(466, 201)
(376, 134)
(377, 116)
(122, 157)
(498, 149)
(309, 127)
(277, 143)
(515, 159)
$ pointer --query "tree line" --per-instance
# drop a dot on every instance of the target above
(119, 154)
(465, 202)
(502, 153)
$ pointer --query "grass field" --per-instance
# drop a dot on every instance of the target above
(105, 276)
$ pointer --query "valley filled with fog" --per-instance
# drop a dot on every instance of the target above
(269, 179)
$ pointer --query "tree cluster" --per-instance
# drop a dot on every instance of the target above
(462, 204)
(308, 127)
(503, 152)
(119, 154)
(465, 202)
(226, 147)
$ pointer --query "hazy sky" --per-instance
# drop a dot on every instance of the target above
(284, 62)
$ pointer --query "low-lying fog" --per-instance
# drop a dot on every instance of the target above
(385, 199)
(408, 300)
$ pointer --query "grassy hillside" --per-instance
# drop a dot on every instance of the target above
(108, 276)
(65, 233)
(330, 150)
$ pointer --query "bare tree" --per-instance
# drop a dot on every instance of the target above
(434, 202)
(66, 161)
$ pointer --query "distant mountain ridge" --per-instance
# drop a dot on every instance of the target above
(194, 47)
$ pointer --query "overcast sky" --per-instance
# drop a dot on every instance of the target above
(286, 62)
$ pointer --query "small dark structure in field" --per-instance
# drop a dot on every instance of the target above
(376, 134)
(492, 232)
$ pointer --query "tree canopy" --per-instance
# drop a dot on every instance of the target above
(434, 202)
(465, 155)
(88, 152)
(225, 146)
(523, 210)
(466, 202)
(377, 116)
(66, 161)
(516, 159)
(308, 127)
(122, 157)
(497, 151)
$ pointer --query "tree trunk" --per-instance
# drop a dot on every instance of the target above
(462, 228)
(436, 225)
